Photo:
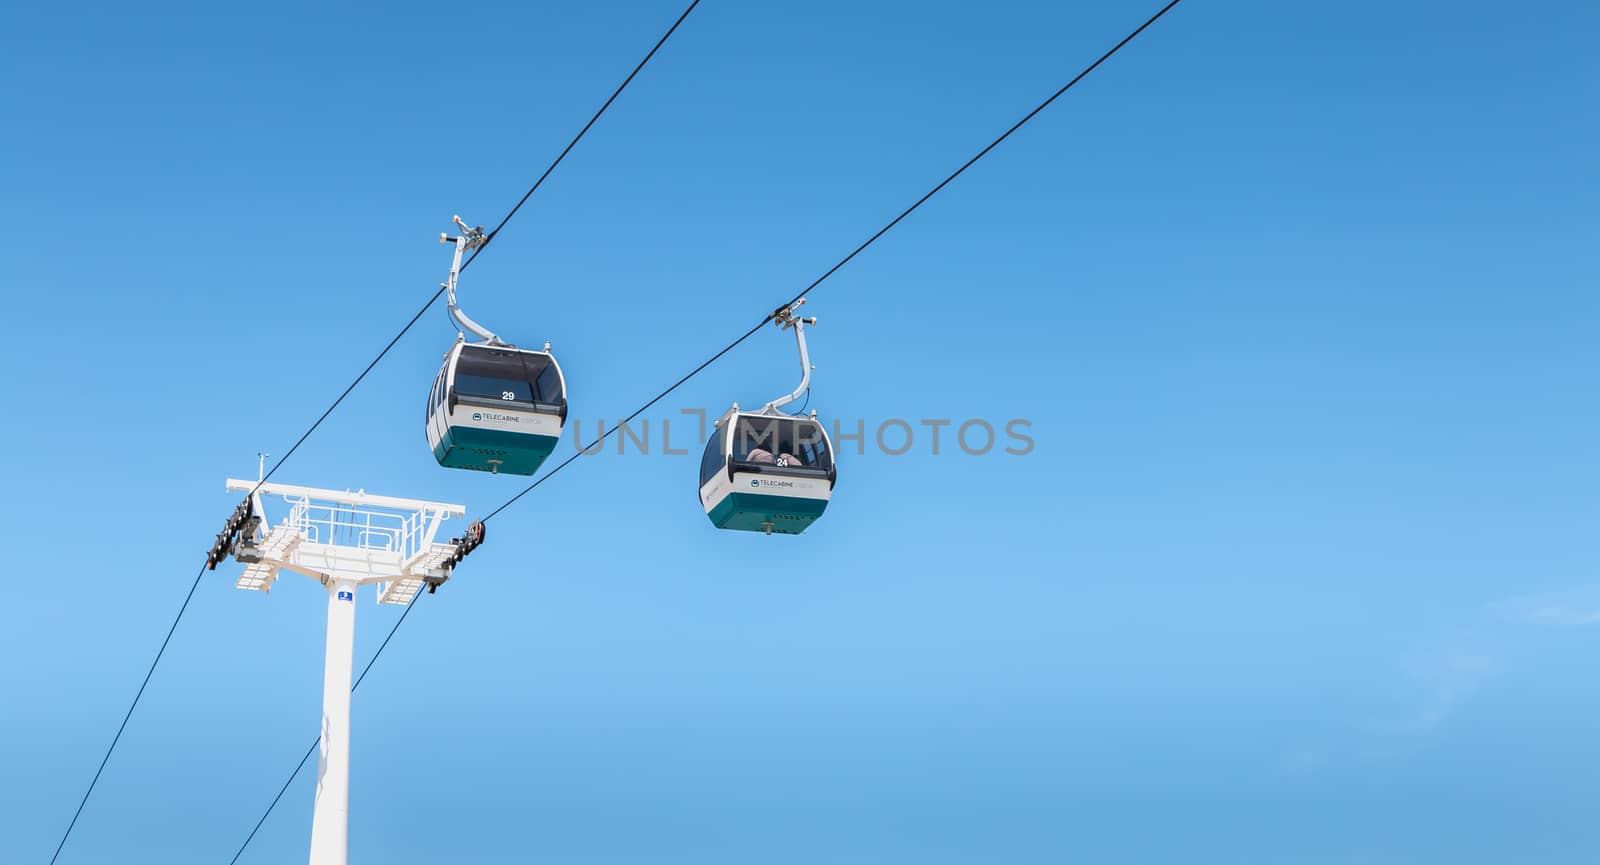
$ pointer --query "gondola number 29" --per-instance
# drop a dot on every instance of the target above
(506, 394)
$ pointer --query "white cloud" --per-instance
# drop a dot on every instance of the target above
(1450, 681)
(1573, 608)
(1445, 681)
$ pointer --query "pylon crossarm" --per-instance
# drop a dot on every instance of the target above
(355, 537)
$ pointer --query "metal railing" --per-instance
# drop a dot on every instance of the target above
(363, 528)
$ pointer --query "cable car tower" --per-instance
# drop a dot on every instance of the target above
(344, 540)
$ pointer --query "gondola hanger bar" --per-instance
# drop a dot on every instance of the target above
(785, 318)
(469, 238)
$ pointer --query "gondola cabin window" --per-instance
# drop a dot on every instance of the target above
(495, 375)
(781, 442)
(711, 462)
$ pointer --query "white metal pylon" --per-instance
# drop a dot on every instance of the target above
(345, 540)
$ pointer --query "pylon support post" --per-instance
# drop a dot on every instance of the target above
(344, 540)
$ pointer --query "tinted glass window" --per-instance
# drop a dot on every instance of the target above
(811, 446)
(506, 375)
(790, 442)
(711, 462)
(548, 384)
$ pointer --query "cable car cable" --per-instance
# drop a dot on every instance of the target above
(752, 331)
(345, 393)
(853, 253)
(985, 151)
(491, 235)
(489, 238)
(619, 424)
(128, 714)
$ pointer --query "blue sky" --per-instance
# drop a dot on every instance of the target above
(1299, 301)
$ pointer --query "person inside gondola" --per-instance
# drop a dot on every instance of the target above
(761, 455)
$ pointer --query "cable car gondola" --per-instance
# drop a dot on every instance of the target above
(493, 407)
(769, 471)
